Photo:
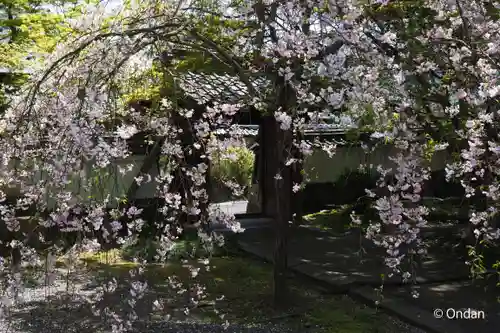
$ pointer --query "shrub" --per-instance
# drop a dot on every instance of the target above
(339, 218)
(187, 246)
(235, 165)
(437, 186)
(351, 186)
(347, 190)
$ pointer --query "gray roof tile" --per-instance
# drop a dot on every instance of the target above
(217, 88)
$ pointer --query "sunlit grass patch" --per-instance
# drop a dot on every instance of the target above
(113, 257)
(333, 220)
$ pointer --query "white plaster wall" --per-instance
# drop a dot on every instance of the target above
(105, 181)
(322, 168)
(109, 181)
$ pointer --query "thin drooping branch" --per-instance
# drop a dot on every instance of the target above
(76, 51)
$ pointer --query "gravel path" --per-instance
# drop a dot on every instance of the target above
(56, 309)
(40, 326)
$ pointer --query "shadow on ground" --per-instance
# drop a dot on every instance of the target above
(455, 298)
(350, 263)
(351, 258)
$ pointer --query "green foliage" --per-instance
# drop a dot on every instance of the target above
(429, 149)
(338, 220)
(29, 28)
(350, 197)
(235, 164)
(146, 249)
(351, 185)
(188, 246)
(496, 266)
(143, 86)
(334, 220)
(9, 83)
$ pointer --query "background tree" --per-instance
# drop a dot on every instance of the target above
(29, 30)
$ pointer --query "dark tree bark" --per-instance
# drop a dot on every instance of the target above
(297, 178)
(269, 151)
(283, 189)
(283, 140)
(192, 157)
(276, 204)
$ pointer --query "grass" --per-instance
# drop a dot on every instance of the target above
(335, 220)
(338, 220)
(328, 220)
(247, 288)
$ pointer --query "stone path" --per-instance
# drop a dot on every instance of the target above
(337, 263)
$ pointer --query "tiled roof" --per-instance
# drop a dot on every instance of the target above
(313, 129)
(223, 88)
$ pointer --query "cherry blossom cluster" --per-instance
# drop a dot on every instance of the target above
(420, 75)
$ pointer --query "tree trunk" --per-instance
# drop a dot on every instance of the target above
(297, 178)
(283, 140)
(269, 166)
(152, 157)
(283, 188)
(182, 182)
